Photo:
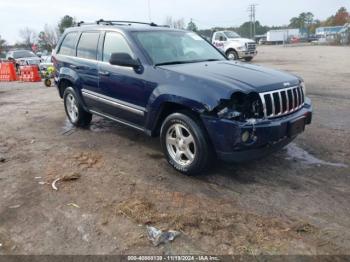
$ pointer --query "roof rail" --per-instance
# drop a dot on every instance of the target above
(113, 22)
(84, 23)
(117, 22)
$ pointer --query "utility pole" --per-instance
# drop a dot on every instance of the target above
(252, 12)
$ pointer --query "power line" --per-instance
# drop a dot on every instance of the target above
(252, 12)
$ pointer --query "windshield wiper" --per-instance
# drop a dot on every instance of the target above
(210, 60)
(186, 62)
(174, 63)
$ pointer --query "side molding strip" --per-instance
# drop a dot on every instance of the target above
(117, 120)
(113, 102)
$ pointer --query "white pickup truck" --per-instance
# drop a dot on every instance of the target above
(234, 46)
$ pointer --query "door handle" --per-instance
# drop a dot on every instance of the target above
(104, 73)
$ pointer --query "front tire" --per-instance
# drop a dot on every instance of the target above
(75, 112)
(47, 82)
(184, 143)
(232, 55)
(248, 59)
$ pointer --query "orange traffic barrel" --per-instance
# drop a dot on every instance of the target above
(7, 72)
(29, 74)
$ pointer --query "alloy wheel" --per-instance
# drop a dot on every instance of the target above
(180, 144)
(72, 108)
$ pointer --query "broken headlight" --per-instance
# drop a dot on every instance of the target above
(241, 107)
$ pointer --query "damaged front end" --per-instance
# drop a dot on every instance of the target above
(239, 129)
(240, 107)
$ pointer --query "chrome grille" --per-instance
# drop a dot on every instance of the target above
(251, 47)
(282, 102)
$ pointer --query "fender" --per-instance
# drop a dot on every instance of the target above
(232, 45)
(156, 109)
(178, 95)
(66, 73)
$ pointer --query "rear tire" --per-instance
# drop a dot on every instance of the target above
(75, 112)
(184, 143)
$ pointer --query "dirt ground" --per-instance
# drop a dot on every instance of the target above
(293, 202)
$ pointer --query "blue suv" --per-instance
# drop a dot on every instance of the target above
(174, 84)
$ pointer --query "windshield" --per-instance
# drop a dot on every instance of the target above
(231, 34)
(177, 47)
(21, 54)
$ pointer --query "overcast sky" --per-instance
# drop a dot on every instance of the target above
(17, 14)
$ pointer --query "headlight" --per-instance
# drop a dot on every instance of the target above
(241, 107)
(241, 48)
(303, 86)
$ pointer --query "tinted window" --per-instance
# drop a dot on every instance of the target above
(115, 43)
(231, 34)
(218, 35)
(68, 45)
(87, 47)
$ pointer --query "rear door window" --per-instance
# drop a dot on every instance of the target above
(68, 44)
(87, 46)
(115, 43)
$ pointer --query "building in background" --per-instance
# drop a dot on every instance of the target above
(344, 34)
(333, 34)
(323, 32)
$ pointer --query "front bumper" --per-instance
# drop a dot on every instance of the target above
(266, 136)
(244, 54)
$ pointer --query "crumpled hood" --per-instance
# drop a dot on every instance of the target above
(235, 76)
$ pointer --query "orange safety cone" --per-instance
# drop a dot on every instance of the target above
(7, 72)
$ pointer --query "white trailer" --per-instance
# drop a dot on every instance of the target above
(281, 36)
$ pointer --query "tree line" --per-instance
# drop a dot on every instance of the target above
(47, 38)
(305, 21)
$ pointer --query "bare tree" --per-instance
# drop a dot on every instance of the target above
(51, 35)
(175, 23)
(28, 35)
(169, 21)
(179, 23)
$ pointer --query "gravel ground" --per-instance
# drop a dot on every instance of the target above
(293, 202)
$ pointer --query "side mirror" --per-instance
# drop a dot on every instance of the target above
(124, 59)
(222, 38)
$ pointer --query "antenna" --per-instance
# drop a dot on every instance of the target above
(149, 11)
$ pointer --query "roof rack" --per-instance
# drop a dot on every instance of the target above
(116, 22)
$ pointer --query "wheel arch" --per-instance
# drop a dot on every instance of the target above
(67, 77)
(164, 108)
(64, 83)
(231, 49)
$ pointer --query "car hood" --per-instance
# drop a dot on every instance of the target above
(29, 59)
(235, 76)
